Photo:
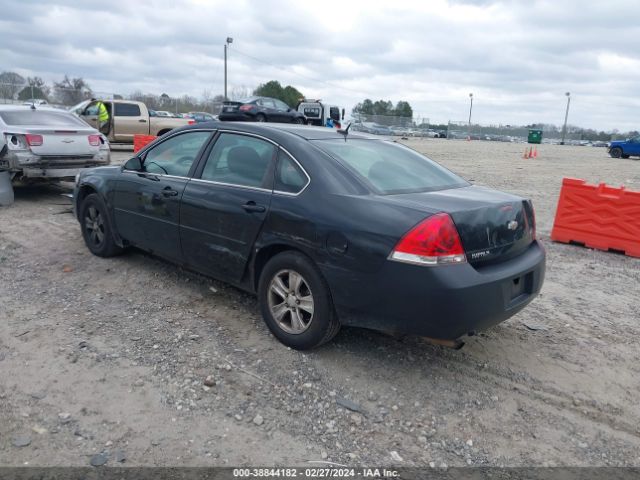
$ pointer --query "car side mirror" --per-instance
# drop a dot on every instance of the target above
(134, 164)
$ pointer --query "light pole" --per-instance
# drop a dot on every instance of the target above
(566, 115)
(226, 45)
(470, 108)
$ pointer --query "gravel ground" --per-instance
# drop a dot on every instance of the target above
(132, 360)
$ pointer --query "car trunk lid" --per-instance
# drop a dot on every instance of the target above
(493, 226)
(64, 142)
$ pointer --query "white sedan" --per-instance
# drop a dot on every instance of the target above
(43, 142)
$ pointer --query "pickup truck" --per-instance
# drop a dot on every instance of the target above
(625, 148)
(126, 119)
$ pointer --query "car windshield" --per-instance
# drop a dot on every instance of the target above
(40, 118)
(389, 167)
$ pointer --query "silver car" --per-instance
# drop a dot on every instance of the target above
(43, 142)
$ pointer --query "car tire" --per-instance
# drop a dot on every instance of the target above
(281, 296)
(261, 117)
(96, 227)
(615, 152)
(298, 121)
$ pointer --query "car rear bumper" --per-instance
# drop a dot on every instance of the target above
(444, 302)
(27, 165)
(51, 172)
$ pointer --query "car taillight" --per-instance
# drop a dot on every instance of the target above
(33, 140)
(191, 122)
(533, 219)
(245, 108)
(94, 140)
(434, 241)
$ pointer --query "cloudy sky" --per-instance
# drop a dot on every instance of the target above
(518, 58)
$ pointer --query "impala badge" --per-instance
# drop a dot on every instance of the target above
(512, 224)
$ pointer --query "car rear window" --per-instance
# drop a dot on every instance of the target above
(40, 118)
(389, 167)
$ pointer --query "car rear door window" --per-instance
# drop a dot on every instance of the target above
(283, 107)
(175, 155)
(266, 102)
(240, 160)
(127, 110)
(289, 178)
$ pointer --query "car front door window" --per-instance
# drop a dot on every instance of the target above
(175, 155)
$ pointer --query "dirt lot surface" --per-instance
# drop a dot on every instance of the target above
(111, 356)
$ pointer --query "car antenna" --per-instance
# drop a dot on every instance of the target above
(345, 131)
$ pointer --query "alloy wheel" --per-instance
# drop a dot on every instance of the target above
(94, 224)
(291, 301)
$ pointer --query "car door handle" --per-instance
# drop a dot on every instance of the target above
(169, 192)
(142, 120)
(253, 207)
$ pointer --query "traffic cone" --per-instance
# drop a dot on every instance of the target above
(525, 154)
(535, 152)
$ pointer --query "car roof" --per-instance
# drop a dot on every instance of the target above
(44, 108)
(303, 131)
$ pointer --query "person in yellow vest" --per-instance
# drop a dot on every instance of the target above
(103, 116)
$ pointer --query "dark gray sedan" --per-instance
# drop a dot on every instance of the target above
(328, 228)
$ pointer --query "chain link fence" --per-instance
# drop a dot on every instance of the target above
(461, 130)
(417, 125)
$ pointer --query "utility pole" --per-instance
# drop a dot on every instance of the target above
(566, 115)
(226, 46)
(470, 108)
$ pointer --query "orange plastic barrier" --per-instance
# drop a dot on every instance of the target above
(139, 141)
(598, 216)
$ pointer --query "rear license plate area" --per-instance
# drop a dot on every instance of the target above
(518, 289)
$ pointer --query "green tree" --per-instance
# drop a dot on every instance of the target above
(382, 107)
(403, 109)
(363, 108)
(289, 95)
(36, 88)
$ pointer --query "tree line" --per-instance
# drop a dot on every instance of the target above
(383, 107)
(67, 91)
